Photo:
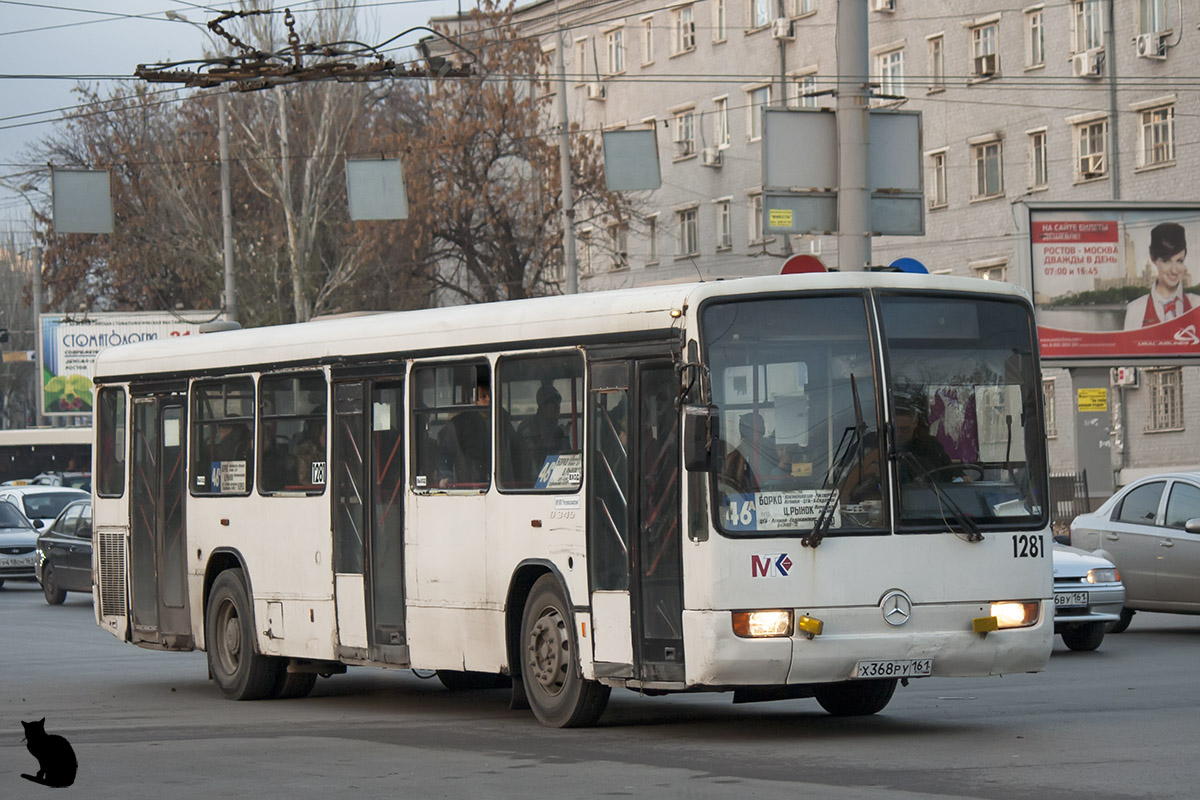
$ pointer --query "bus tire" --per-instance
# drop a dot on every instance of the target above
(292, 685)
(558, 694)
(1085, 637)
(855, 698)
(457, 680)
(55, 594)
(240, 672)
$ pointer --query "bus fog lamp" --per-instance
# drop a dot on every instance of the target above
(762, 624)
(809, 626)
(1013, 614)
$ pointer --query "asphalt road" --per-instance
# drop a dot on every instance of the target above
(1117, 723)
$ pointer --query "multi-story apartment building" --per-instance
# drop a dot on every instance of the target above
(1075, 101)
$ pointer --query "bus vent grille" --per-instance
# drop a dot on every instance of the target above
(112, 572)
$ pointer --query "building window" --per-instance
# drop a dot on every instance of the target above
(1166, 399)
(1087, 25)
(652, 239)
(805, 89)
(937, 180)
(721, 122)
(583, 254)
(993, 270)
(802, 7)
(685, 30)
(1038, 160)
(937, 63)
(647, 41)
(724, 225)
(581, 61)
(618, 240)
(985, 62)
(718, 9)
(1048, 403)
(688, 242)
(1091, 143)
(1152, 16)
(1035, 39)
(760, 13)
(1158, 136)
(757, 236)
(889, 67)
(685, 133)
(757, 100)
(986, 158)
(615, 42)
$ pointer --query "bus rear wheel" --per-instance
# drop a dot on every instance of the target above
(239, 671)
(290, 685)
(557, 693)
(855, 698)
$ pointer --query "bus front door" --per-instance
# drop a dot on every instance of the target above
(368, 498)
(633, 531)
(157, 558)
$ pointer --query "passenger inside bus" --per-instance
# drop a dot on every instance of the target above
(541, 435)
(464, 444)
(922, 457)
(233, 442)
(754, 455)
(311, 450)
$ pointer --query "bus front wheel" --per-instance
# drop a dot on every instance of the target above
(239, 671)
(855, 698)
(557, 693)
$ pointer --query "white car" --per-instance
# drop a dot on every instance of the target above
(1088, 596)
(40, 504)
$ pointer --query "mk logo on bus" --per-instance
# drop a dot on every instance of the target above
(774, 565)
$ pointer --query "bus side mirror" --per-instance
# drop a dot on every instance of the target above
(700, 433)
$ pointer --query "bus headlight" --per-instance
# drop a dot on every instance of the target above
(762, 624)
(1013, 614)
(1105, 575)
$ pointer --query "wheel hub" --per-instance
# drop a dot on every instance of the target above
(548, 649)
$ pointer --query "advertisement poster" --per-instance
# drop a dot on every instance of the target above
(1115, 283)
(70, 344)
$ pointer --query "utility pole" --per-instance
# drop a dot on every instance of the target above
(226, 206)
(853, 109)
(570, 265)
(37, 331)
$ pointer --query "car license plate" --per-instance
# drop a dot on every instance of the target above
(16, 561)
(896, 668)
(1070, 599)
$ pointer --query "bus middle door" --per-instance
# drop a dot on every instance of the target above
(157, 558)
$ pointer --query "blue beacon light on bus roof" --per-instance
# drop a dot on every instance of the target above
(907, 264)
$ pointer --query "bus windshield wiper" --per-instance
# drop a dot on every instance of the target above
(968, 525)
(837, 470)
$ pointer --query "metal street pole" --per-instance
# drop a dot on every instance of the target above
(570, 265)
(37, 332)
(853, 108)
(226, 206)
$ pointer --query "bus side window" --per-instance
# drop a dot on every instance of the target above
(223, 436)
(540, 407)
(110, 460)
(452, 446)
(292, 433)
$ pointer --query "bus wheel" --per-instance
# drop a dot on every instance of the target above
(459, 681)
(289, 685)
(855, 698)
(55, 595)
(239, 671)
(558, 694)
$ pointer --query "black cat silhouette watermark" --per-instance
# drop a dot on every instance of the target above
(54, 754)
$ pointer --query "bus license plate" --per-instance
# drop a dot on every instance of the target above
(1070, 599)
(898, 668)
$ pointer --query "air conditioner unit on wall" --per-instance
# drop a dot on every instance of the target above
(597, 91)
(985, 66)
(1087, 64)
(710, 157)
(1091, 165)
(885, 5)
(1152, 45)
(781, 30)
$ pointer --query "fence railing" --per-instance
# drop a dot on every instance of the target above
(1068, 499)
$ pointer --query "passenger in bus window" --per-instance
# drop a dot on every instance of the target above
(310, 450)
(464, 444)
(233, 442)
(921, 455)
(753, 455)
(541, 435)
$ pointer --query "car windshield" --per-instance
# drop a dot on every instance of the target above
(46, 505)
(967, 436)
(794, 385)
(10, 517)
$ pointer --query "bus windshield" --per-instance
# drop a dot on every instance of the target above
(794, 384)
(968, 444)
(802, 442)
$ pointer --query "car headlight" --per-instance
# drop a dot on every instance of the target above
(1014, 614)
(1104, 575)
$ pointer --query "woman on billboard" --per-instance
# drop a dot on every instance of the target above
(1166, 299)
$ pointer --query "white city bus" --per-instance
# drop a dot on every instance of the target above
(713, 486)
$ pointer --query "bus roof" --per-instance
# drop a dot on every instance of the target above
(21, 437)
(484, 326)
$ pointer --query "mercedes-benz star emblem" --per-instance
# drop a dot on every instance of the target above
(896, 608)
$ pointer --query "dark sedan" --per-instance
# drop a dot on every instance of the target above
(64, 562)
(18, 541)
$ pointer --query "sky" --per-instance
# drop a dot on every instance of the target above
(47, 48)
